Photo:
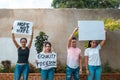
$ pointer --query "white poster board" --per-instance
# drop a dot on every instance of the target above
(22, 27)
(91, 30)
(45, 60)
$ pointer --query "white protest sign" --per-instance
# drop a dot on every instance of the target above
(46, 60)
(22, 27)
(91, 30)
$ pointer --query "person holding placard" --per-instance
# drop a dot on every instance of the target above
(92, 60)
(22, 66)
(74, 58)
(47, 71)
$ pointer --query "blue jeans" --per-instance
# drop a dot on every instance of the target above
(21, 70)
(94, 72)
(47, 74)
(70, 72)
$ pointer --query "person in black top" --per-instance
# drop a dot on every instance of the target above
(22, 66)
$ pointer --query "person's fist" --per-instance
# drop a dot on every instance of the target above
(76, 29)
(87, 72)
(80, 71)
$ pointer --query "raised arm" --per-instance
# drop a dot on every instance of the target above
(31, 39)
(70, 37)
(103, 41)
(15, 42)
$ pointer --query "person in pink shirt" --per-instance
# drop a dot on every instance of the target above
(74, 58)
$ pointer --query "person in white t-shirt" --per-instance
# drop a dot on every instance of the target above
(92, 60)
(47, 72)
(74, 58)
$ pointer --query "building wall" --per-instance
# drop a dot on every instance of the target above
(58, 25)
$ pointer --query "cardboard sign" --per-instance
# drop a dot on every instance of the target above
(91, 30)
(45, 60)
(22, 27)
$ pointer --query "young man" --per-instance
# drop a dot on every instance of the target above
(74, 58)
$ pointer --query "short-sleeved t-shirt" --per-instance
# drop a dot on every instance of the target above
(73, 57)
(93, 56)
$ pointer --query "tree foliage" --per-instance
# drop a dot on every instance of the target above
(112, 24)
(92, 4)
(40, 39)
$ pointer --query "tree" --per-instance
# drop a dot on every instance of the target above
(92, 4)
(40, 39)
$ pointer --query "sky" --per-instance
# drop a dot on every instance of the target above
(16, 4)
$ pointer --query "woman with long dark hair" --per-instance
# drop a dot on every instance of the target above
(22, 66)
(92, 60)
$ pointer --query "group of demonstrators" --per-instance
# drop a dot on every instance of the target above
(74, 59)
(92, 59)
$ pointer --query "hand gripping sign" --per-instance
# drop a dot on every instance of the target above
(22, 27)
(46, 60)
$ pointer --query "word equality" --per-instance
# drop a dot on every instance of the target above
(45, 60)
(46, 56)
